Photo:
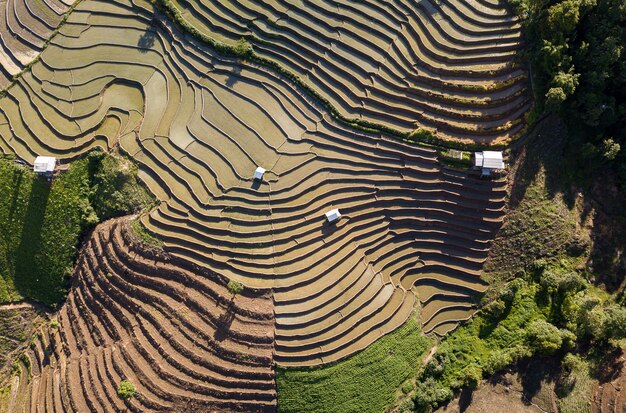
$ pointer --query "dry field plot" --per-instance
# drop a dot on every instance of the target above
(198, 125)
(25, 25)
(444, 65)
(177, 334)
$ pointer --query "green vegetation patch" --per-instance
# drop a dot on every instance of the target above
(576, 385)
(365, 382)
(234, 287)
(551, 311)
(41, 222)
(126, 389)
(144, 235)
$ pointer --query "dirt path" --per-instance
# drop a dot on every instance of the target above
(430, 355)
(22, 304)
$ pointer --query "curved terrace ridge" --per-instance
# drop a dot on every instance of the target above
(177, 334)
(25, 26)
(445, 66)
(199, 124)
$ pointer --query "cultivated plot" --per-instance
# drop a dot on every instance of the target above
(199, 125)
(25, 25)
(183, 340)
(448, 66)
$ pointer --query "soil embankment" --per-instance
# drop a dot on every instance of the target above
(174, 331)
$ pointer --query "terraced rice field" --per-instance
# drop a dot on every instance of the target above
(444, 65)
(25, 25)
(199, 124)
(173, 330)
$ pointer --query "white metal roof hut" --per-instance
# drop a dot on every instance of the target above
(488, 161)
(45, 165)
(333, 215)
(258, 174)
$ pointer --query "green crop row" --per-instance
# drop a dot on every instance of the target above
(365, 382)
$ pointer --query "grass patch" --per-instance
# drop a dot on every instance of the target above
(144, 235)
(365, 382)
(576, 386)
(41, 223)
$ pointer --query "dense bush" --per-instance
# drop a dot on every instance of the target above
(234, 287)
(126, 390)
(114, 187)
(546, 312)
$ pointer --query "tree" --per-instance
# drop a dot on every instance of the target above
(610, 149)
(544, 337)
(564, 16)
(126, 389)
(430, 394)
(614, 326)
(497, 360)
(472, 375)
(234, 287)
(243, 48)
(554, 97)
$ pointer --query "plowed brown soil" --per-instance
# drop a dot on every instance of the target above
(173, 330)
(610, 395)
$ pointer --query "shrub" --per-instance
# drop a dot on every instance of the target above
(544, 337)
(234, 287)
(115, 189)
(429, 394)
(495, 309)
(472, 374)
(407, 387)
(126, 389)
(54, 323)
(497, 360)
(407, 406)
(610, 149)
(243, 48)
(614, 326)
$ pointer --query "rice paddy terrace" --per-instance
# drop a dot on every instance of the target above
(119, 73)
(25, 25)
(447, 66)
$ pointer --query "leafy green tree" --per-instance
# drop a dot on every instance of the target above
(234, 287)
(472, 375)
(610, 149)
(429, 394)
(126, 389)
(614, 326)
(544, 337)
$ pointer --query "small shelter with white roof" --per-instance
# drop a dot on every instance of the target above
(333, 215)
(44, 165)
(488, 161)
(258, 174)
